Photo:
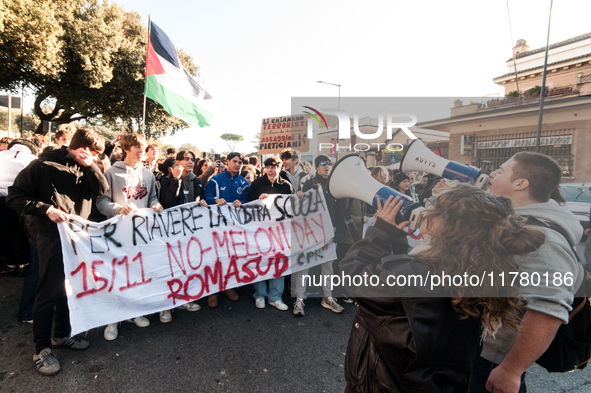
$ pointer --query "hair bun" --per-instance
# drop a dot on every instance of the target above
(518, 237)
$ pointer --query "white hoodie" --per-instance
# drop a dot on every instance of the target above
(127, 186)
(11, 163)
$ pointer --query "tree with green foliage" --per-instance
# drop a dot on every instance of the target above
(107, 131)
(164, 148)
(231, 140)
(187, 146)
(256, 140)
(84, 59)
(211, 154)
(30, 123)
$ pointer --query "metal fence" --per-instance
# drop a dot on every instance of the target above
(492, 151)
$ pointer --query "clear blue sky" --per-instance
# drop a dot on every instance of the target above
(255, 55)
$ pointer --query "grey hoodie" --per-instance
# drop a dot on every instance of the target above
(127, 186)
(296, 178)
(555, 256)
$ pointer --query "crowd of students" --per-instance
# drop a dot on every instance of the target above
(117, 178)
(459, 342)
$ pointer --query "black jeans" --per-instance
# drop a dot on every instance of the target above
(51, 292)
(25, 310)
(14, 247)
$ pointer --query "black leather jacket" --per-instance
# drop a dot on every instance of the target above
(404, 344)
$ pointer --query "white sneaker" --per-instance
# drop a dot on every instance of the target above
(140, 321)
(298, 307)
(165, 316)
(46, 362)
(332, 305)
(279, 305)
(191, 306)
(259, 302)
(111, 332)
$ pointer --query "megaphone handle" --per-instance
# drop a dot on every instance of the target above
(415, 218)
(405, 212)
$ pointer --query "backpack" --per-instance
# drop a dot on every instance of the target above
(571, 347)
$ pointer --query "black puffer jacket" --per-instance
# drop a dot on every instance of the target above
(403, 342)
(263, 185)
(173, 194)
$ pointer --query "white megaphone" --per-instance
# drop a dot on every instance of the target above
(419, 158)
(350, 179)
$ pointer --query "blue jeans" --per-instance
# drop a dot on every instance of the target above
(480, 373)
(25, 309)
(275, 289)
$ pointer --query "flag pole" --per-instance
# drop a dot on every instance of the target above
(543, 91)
(146, 76)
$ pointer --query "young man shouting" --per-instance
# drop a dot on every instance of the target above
(528, 179)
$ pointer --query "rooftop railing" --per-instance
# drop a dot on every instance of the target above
(523, 97)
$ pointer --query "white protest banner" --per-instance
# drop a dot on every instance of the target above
(147, 262)
(414, 238)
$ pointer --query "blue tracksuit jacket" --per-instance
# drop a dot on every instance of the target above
(226, 187)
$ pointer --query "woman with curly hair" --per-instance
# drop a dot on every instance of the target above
(408, 337)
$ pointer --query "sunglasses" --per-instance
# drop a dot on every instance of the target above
(325, 163)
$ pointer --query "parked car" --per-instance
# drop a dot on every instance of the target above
(578, 200)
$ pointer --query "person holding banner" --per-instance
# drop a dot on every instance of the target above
(412, 337)
(292, 170)
(131, 186)
(178, 187)
(223, 188)
(323, 168)
(60, 183)
(269, 183)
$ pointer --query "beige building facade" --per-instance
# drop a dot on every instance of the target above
(487, 134)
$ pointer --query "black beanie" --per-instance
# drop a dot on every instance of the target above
(321, 158)
(399, 178)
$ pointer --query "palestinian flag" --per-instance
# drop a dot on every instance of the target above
(170, 84)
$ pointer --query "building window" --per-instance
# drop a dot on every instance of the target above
(492, 151)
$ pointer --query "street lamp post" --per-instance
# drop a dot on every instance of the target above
(339, 107)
